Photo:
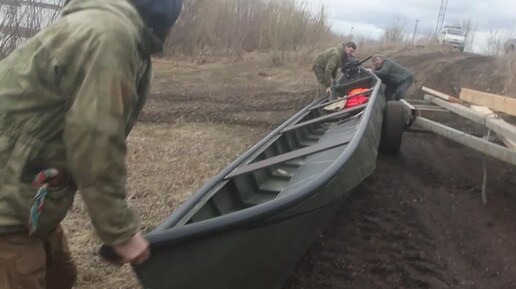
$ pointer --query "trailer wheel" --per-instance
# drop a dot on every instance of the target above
(392, 129)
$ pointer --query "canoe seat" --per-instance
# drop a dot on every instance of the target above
(307, 143)
(258, 199)
(295, 162)
(274, 185)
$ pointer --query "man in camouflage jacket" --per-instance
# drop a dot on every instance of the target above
(328, 62)
(68, 99)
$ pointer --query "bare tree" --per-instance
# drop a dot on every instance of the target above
(394, 32)
(469, 33)
(496, 40)
(248, 25)
(22, 19)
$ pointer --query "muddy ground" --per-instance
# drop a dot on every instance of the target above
(418, 222)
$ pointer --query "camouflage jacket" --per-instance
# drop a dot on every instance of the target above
(392, 73)
(328, 63)
(68, 98)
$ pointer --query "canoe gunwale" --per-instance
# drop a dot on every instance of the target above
(166, 234)
(327, 117)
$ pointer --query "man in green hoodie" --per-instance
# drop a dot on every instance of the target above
(397, 79)
(69, 97)
(328, 62)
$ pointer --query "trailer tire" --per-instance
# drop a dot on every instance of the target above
(392, 128)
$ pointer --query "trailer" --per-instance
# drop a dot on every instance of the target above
(499, 138)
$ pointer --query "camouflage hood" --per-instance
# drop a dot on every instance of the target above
(120, 7)
(157, 15)
(123, 8)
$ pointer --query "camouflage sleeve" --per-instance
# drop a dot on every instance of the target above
(331, 69)
(95, 134)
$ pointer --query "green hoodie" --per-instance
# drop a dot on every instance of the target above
(68, 98)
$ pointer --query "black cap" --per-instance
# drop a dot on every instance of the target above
(159, 15)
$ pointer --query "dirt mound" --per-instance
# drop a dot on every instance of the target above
(244, 106)
(418, 222)
(450, 71)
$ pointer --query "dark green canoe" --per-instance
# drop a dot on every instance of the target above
(249, 226)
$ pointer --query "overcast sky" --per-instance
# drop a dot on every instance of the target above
(370, 17)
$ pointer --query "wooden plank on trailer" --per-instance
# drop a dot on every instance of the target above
(495, 102)
(510, 143)
(482, 109)
(493, 122)
(441, 95)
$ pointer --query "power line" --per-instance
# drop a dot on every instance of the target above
(442, 16)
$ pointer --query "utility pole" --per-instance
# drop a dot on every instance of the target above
(415, 31)
(442, 16)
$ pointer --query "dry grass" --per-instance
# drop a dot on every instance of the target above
(497, 40)
(506, 68)
(236, 26)
(250, 69)
(166, 163)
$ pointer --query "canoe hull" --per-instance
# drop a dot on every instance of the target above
(252, 258)
(261, 255)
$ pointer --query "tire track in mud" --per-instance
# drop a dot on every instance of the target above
(380, 237)
(449, 72)
(251, 107)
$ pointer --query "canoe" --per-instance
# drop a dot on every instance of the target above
(250, 225)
